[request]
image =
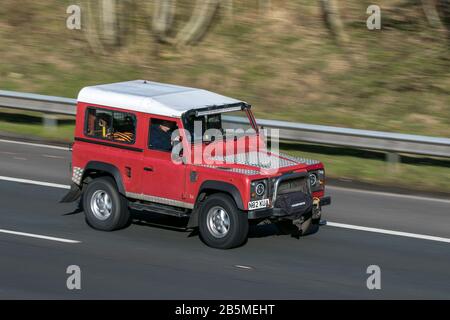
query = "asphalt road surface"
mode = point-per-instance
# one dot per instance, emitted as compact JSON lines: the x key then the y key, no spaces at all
{"x":408,"y":237}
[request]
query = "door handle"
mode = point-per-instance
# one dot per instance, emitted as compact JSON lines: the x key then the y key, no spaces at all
{"x":148,"y":168}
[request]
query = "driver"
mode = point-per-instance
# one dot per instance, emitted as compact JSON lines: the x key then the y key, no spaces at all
{"x":160,"y":135}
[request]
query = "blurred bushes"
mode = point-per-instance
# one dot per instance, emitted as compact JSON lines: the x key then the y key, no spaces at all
{"x":16,"y":13}
{"x":280,"y":56}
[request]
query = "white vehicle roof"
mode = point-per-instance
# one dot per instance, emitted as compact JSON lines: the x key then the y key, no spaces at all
{"x":152,"y":97}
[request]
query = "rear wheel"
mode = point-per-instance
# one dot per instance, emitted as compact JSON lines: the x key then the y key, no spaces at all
{"x":105,"y":208}
{"x":221,"y":224}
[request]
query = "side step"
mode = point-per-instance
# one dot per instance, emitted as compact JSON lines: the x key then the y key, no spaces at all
{"x":160,"y":208}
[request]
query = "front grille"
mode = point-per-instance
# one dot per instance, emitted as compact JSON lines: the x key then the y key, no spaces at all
{"x":294,"y":185}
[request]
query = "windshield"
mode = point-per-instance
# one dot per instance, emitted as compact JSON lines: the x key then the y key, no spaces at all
{"x":225,"y":125}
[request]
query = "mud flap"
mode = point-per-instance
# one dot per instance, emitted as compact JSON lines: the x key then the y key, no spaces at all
{"x":193,"y":220}
{"x":73,"y":195}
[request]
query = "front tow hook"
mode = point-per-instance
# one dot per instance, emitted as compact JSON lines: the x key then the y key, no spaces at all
{"x":316,"y":210}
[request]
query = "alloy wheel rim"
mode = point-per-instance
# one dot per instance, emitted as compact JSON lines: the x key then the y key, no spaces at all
{"x":218,"y":222}
{"x":101,"y":205}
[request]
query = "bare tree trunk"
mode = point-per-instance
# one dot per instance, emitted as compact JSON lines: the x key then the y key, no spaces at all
{"x":126,"y":19}
{"x":163,"y":13}
{"x":110,"y":23}
{"x":228,"y":7}
{"x":106,"y":22}
{"x":90,"y":29}
{"x":197,"y":26}
{"x":333,"y":20}
{"x":264,"y":6}
{"x":431,"y":13}
{"x":199,"y":23}
{"x":443,"y":8}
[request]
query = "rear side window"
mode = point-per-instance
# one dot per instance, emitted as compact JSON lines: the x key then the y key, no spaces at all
{"x":110,"y":125}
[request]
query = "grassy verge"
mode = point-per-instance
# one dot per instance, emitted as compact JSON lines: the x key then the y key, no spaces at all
{"x":62,"y":133}
{"x":30,"y":125}
{"x":431,"y":175}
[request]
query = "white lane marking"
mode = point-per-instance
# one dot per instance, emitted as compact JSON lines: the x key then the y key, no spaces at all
{"x":390,"y":232}
{"x":39,"y":145}
{"x":19,"y":158}
{"x":39,"y":183}
{"x":38,"y":236}
{"x":243,"y":267}
{"x":386,"y":194}
{"x":53,"y":157}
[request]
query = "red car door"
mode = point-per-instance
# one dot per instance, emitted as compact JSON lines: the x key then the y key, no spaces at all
{"x":163,"y":180}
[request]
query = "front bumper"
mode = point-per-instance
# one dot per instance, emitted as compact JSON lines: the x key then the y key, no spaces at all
{"x":278,"y":213}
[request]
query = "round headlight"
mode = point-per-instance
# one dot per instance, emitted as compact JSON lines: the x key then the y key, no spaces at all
{"x":312,"y":179}
{"x":260,"y":188}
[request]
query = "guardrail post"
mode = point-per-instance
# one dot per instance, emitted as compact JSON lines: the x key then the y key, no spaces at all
{"x":393,"y":160}
{"x":50,"y":122}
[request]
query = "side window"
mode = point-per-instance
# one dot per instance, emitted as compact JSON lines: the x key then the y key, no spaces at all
{"x":161,"y":134}
{"x":99,"y":123}
{"x":110,"y":125}
{"x":124,"y":125}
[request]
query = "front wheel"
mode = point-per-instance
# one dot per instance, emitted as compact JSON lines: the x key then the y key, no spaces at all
{"x":105,"y":208}
{"x":221,"y":224}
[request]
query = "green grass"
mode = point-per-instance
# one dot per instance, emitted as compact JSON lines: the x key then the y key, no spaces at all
{"x":413,"y":173}
{"x":29,"y":124}
{"x":62,"y":133}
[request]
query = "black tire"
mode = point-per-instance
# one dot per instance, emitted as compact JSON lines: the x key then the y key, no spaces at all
{"x":119,"y":215}
{"x":237,"y":227}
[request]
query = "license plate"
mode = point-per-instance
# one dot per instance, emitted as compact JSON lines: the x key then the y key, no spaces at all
{"x":258,"y":204}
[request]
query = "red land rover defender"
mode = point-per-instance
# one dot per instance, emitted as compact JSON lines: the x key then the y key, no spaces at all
{"x":167,"y":149}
